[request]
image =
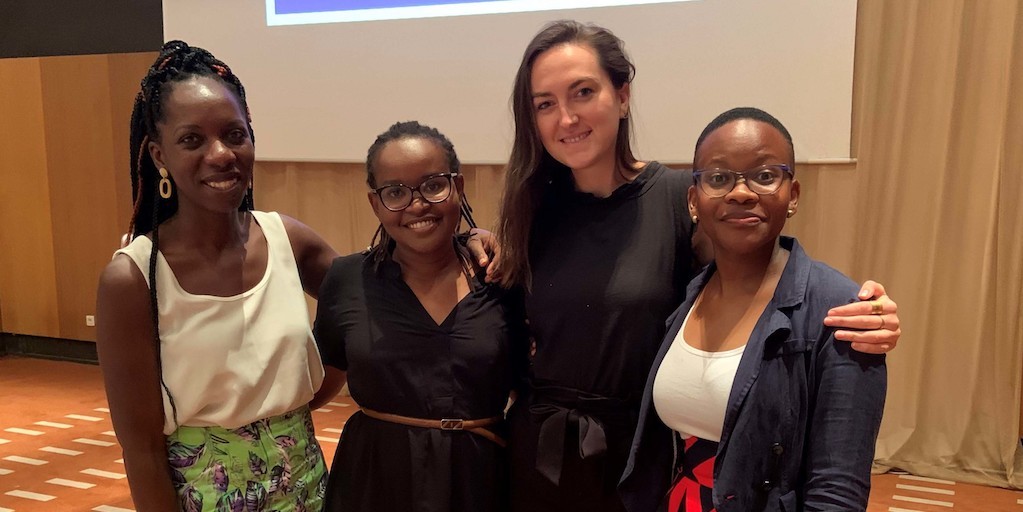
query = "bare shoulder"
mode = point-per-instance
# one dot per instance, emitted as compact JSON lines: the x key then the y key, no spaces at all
{"x":122,"y":277}
{"x":122,"y":300}
{"x":303,"y":239}
{"x":297,"y":230}
{"x":312,"y":253}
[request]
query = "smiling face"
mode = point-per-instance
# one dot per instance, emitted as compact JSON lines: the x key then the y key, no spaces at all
{"x":576,"y":108}
{"x":204,"y":144}
{"x":423,"y":228}
{"x":742,"y":221}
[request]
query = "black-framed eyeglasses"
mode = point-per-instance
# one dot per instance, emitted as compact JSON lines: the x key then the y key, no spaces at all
{"x":434,"y":189}
{"x":763,"y":180}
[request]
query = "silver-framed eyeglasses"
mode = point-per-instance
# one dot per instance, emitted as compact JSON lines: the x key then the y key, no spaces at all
{"x":763,"y":180}
{"x":434,"y":189}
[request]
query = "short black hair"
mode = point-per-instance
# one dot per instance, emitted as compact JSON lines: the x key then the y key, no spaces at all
{"x":410,"y":130}
{"x":743,"y":113}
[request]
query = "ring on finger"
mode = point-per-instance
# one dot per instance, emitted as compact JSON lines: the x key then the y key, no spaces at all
{"x":880,"y":317}
{"x":876,"y":308}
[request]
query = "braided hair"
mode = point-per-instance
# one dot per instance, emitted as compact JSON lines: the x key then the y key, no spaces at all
{"x":176,"y":63}
{"x":382,"y":244}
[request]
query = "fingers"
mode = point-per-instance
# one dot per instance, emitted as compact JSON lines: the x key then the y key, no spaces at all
{"x":888,"y":322}
{"x":493,"y":276}
{"x":877,"y":341}
{"x":478,"y":252}
{"x":871,"y":289}
{"x":871,"y":348}
{"x":866,"y":307}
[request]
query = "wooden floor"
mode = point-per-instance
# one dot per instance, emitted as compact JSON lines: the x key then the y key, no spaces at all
{"x":58,"y":452}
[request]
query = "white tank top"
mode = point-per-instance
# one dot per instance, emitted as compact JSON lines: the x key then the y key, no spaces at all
{"x":691,"y":387}
{"x":229,"y":361}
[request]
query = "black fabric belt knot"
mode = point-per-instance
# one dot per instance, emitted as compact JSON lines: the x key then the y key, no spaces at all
{"x":557,"y":408}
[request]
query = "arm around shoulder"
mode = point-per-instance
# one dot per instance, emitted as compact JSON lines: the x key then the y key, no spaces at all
{"x":127,"y":354}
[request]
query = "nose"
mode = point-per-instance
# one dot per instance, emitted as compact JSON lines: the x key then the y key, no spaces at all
{"x":741,"y":193}
{"x":568,"y":118}
{"x":219,"y":154}
{"x":419,"y":203}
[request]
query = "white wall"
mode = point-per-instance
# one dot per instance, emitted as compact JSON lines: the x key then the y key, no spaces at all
{"x":323,"y":92}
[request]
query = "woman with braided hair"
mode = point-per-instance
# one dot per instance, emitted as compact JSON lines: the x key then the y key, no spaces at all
{"x":203,"y":331}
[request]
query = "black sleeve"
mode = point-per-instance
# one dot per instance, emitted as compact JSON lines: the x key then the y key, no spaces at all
{"x":520,"y":341}
{"x":327,"y":327}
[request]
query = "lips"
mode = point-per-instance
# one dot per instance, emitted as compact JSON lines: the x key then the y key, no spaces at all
{"x":576,"y":138}
{"x":222,"y":183}
{"x":422,"y":224}
{"x":743,"y":217}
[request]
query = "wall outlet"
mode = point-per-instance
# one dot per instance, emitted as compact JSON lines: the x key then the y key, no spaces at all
{"x":90,"y":321}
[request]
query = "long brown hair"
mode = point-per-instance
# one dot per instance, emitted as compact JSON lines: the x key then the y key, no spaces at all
{"x":530,"y":166}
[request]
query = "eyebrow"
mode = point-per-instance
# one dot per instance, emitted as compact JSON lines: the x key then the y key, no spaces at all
{"x":573,"y":85}
{"x":236,"y":123}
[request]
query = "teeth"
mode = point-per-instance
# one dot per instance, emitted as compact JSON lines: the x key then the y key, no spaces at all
{"x":222,"y":185}
{"x":421,"y":224}
{"x":577,"y":138}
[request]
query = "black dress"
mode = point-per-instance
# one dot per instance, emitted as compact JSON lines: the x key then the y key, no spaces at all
{"x":607,"y":272}
{"x":399,"y":361}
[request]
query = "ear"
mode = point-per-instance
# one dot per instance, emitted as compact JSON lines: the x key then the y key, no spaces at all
{"x":691,"y":199}
{"x":459,"y":184}
{"x":624,"y":93}
{"x":374,"y":202}
{"x":794,"y":196}
{"x":156,"y":153}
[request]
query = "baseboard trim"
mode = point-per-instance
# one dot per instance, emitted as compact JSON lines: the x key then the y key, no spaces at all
{"x":42,"y":347}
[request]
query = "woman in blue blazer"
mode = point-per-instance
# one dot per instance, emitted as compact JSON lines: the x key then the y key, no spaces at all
{"x":751,"y":403}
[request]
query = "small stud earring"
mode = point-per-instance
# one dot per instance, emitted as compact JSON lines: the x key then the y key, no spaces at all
{"x":791,"y":212}
{"x":695,"y":219}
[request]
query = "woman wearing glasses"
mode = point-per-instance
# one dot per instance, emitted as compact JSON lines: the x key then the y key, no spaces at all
{"x":429,"y":350}
{"x":751,"y":403}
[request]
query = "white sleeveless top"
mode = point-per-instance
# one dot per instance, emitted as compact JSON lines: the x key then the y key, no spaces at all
{"x":691,"y":387}
{"x":229,"y":361}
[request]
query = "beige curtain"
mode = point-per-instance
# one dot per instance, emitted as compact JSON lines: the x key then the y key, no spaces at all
{"x":938,"y":131}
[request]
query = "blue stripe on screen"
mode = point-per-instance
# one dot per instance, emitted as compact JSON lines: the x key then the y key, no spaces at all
{"x":313,"y":6}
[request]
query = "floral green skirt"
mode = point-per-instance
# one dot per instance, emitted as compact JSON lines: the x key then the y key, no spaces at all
{"x":274,"y":464}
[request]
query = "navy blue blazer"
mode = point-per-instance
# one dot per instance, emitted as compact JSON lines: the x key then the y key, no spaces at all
{"x":803,"y":414}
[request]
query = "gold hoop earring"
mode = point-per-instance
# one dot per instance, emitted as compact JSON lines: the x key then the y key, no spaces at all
{"x":165,"y":184}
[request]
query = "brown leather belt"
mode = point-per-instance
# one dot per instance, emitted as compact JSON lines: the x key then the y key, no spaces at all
{"x":474,"y":426}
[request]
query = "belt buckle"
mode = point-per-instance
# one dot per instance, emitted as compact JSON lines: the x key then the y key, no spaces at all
{"x":451,"y":424}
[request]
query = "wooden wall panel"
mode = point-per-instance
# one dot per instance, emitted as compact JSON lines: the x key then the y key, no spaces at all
{"x":125,"y":71}
{"x":81,"y":163}
{"x":28,"y":290}
{"x":331,"y":198}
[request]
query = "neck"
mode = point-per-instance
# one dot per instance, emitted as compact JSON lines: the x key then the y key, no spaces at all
{"x":426,"y":266}
{"x":743,"y":274}
{"x":207,"y":231}
{"x":603,"y":180}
